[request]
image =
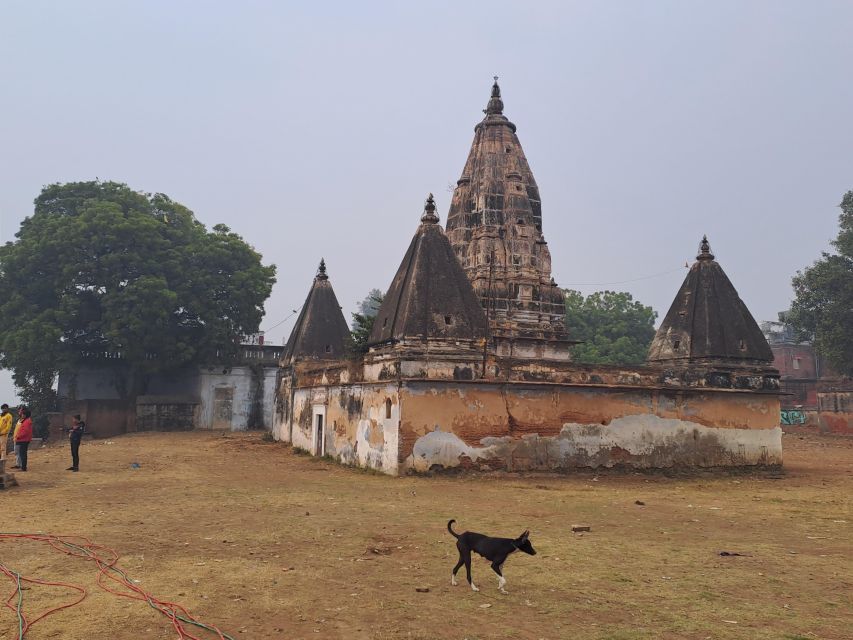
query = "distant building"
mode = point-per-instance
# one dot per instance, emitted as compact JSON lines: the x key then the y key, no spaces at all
{"x":799,"y":367}
{"x":235,"y":393}
{"x":813,"y":396}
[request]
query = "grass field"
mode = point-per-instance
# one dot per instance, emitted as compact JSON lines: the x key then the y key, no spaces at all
{"x":265,"y":543}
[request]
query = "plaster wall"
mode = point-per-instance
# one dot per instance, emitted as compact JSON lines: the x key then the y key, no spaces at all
{"x":360,"y":424}
{"x":520,"y":427}
{"x":268,"y":403}
{"x":835,"y":412}
{"x":252,"y":398}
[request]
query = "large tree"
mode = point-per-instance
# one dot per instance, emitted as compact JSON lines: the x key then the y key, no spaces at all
{"x":99,"y":268}
{"x":614,"y":328}
{"x":823,"y":306}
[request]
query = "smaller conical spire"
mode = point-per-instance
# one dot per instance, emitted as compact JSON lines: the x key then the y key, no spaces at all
{"x":429,"y":216}
{"x":496,"y":105}
{"x":321,"y":271}
{"x":705,"y":250}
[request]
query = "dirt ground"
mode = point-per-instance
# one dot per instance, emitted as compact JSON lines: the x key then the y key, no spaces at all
{"x":266,"y":543}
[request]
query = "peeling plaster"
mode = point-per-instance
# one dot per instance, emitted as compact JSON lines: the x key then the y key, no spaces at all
{"x":356,"y":430}
{"x":640,"y":441}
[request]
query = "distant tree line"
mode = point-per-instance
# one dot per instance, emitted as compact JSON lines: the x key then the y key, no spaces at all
{"x":613,"y":327}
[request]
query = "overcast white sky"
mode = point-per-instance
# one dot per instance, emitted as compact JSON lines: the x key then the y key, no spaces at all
{"x":317,"y":129}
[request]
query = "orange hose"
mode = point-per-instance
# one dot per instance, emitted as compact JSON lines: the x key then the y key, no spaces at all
{"x":82,"y":547}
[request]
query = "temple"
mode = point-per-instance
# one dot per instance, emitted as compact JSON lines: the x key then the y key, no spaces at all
{"x":495,"y":227}
{"x":320,"y":332}
{"x":708,"y":322}
{"x":467,"y":365}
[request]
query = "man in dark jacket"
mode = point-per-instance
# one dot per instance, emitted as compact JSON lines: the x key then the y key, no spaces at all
{"x":75,"y":435}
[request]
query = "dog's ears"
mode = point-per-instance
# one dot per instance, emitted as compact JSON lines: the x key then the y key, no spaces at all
{"x":525,"y":535}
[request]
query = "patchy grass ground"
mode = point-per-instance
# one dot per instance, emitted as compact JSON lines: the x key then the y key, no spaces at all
{"x":269,"y":544}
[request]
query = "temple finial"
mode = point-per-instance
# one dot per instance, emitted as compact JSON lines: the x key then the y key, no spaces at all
{"x":496,"y":105}
{"x":429,"y":216}
{"x":321,"y":271}
{"x":705,"y":250}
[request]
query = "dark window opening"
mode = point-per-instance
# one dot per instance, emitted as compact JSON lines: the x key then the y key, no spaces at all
{"x":448,"y":320}
{"x":388,"y":408}
{"x":742,"y":345}
{"x":676,"y":344}
{"x":508,"y":149}
{"x":518,"y":187}
{"x":328,"y":348}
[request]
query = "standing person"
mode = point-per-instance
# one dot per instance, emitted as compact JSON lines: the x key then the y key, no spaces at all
{"x":15,"y":438}
{"x":75,"y":436}
{"x":5,"y":428}
{"x":24,"y":435}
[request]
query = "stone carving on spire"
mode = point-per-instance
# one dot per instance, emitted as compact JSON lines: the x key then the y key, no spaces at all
{"x":496,"y":105}
{"x":705,"y":250}
{"x":321,"y":270}
{"x":429,"y":216}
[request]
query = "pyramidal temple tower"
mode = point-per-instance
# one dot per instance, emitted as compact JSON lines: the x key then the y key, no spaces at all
{"x":708,"y":323}
{"x":495,"y":228}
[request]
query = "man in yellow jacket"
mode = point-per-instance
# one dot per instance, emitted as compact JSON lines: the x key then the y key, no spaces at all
{"x":5,"y":428}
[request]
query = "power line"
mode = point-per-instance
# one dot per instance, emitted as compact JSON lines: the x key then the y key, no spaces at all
{"x":277,"y":324}
{"x":599,"y":284}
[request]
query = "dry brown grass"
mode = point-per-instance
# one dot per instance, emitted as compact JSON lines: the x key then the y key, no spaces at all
{"x":269,"y":544}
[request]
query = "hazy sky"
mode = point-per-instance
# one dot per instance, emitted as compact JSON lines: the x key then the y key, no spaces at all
{"x":317,"y":129}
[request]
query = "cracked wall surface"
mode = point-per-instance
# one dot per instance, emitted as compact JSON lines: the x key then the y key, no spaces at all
{"x":360,"y":424}
{"x":516,"y":428}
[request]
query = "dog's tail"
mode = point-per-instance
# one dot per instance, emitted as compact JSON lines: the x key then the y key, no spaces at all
{"x":450,"y":529}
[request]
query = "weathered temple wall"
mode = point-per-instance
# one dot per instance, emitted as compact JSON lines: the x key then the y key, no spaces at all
{"x":437,"y":413}
{"x":523,"y":427}
{"x":354,"y":424}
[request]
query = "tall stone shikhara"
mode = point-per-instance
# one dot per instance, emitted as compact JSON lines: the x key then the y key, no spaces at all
{"x":495,"y":228}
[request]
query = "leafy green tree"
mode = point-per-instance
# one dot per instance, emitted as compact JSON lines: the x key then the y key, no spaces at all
{"x":614,"y":328}
{"x":101,"y":268}
{"x":362,"y":320}
{"x":823,"y":306}
{"x":40,"y":396}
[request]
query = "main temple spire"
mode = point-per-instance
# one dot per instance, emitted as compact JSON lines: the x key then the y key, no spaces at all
{"x":495,"y":227}
{"x":496,"y":105}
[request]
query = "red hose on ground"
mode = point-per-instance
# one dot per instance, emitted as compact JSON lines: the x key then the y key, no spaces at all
{"x":106,"y":560}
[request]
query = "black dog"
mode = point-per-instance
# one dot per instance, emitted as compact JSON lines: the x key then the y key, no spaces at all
{"x":495,"y":550}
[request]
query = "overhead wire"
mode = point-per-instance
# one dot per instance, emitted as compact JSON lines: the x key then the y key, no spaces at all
{"x":601,"y":284}
{"x":278,"y":324}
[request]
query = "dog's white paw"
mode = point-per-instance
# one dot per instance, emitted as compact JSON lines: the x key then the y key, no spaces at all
{"x":453,"y":581}
{"x":474,"y":587}
{"x":504,"y":591}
